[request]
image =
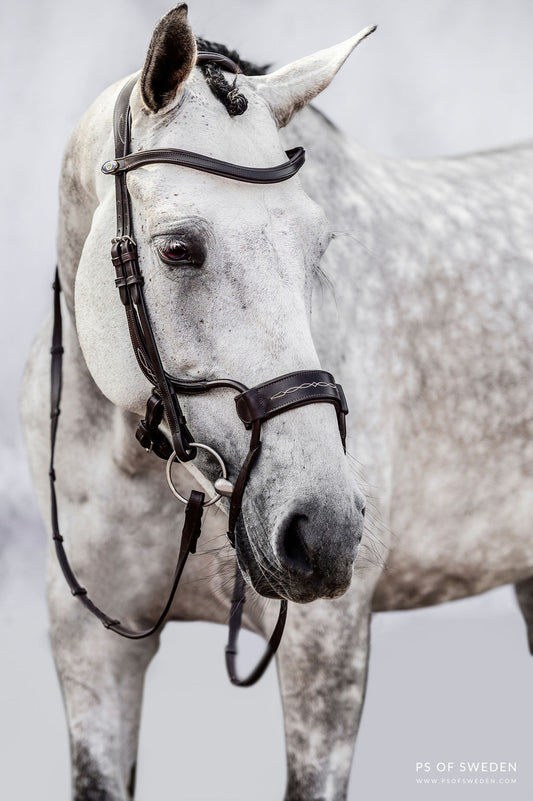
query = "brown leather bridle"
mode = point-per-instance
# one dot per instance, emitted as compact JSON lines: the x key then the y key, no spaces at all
{"x":253,"y":406}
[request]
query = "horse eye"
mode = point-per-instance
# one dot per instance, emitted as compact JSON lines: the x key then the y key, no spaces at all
{"x":173,"y":251}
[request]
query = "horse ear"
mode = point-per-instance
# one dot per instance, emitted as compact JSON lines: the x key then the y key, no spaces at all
{"x":169,"y":61}
{"x":290,"y":88}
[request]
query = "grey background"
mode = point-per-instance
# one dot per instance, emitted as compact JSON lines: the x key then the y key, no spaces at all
{"x":451,"y":683}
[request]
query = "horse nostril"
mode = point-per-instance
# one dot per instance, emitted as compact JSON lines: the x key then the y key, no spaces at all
{"x":292,"y":549}
{"x":363,"y":511}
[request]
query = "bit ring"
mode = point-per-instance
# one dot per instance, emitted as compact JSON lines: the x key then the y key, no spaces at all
{"x":173,"y":458}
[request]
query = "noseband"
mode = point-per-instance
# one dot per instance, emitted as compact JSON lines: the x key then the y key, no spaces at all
{"x":253,"y":406}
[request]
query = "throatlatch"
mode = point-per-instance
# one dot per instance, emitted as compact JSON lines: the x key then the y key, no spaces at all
{"x":253,"y":406}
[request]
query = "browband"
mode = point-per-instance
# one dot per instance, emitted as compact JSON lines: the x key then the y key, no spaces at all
{"x":196,"y":161}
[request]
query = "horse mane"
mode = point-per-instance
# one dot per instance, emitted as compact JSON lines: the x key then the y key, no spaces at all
{"x":228,"y":94}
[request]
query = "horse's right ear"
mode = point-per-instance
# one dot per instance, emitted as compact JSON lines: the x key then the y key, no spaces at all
{"x":169,"y":61}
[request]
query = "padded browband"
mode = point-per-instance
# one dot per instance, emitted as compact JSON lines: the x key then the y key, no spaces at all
{"x":196,"y":161}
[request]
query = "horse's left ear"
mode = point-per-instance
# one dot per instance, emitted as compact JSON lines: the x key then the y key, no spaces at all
{"x":170,"y":58}
{"x":290,"y":88}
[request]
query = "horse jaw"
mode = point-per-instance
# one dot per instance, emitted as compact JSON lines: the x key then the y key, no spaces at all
{"x":292,"y":87}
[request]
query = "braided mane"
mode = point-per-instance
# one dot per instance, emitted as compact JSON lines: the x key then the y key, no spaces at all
{"x":229,"y":95}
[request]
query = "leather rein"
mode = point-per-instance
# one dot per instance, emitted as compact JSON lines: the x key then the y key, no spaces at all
{"x":253,"y":406}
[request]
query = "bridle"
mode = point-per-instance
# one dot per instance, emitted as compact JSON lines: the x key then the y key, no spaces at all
{"x":253,"y":406}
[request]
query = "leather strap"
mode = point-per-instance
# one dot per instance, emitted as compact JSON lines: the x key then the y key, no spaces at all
{"x":239,"y":588}
{"x":193,"y":512}
{"x":196,"y":161}
{"x":235,"y":619}
{"x":129,"y":282}
{"x":148,"y":433}
{"x":242,"y":480}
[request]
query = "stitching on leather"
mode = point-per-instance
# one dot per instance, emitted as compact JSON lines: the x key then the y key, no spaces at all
{"x":286,"y":378}
{"x":255,"y":394}
{"x":317,"y":398}
{"x":305,"y":385}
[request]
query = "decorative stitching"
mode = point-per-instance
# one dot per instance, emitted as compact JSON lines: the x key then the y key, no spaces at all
{"x":144,"y":365}
{"x":290,"y":390}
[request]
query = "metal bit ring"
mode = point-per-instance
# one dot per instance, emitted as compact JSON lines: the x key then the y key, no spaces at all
{"x":172,"y":458}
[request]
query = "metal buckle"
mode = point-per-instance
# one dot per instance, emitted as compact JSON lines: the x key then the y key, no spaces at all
{"x":125,"y":238}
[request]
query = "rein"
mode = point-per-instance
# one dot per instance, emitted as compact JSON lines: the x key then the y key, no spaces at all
{"x":253,"y":406}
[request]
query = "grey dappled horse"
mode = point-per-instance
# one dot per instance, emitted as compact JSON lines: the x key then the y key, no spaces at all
{"x":421,"y":306}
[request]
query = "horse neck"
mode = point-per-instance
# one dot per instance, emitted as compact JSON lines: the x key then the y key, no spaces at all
{"x":400,"y":216}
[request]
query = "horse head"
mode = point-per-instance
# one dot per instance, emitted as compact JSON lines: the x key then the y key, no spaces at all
{"x":228,"y":272}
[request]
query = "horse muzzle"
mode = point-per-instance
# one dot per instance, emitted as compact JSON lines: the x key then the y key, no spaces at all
{"x":310,"y":554}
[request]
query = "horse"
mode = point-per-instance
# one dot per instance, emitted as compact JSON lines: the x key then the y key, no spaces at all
{"x":410,"y":280}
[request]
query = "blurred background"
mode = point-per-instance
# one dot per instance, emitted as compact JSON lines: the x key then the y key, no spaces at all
{"x":451,"y":683}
